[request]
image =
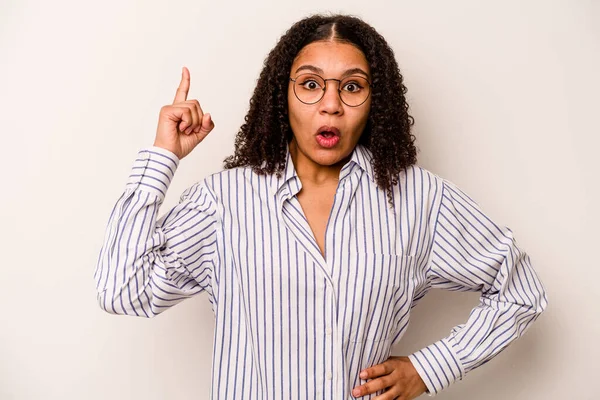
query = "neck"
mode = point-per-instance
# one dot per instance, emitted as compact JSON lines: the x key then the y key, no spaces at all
{"x":311,"y":172}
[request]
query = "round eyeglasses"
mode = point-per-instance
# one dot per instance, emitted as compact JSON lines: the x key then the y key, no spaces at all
{"x":310,"y":88}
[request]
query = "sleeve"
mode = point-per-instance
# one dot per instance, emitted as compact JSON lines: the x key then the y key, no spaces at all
{"x":148,"y":264}
{"x":470,"y":252}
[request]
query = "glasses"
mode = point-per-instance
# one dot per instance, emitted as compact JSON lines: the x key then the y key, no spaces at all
{"x":310,"y":88}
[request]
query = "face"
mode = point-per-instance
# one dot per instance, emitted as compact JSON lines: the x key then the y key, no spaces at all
{"x":329,"y":60}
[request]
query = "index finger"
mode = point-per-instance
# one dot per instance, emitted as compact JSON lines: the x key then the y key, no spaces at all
{"x":184,"y":87}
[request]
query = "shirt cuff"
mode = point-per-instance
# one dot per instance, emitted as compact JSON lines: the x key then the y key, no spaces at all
{"x":438,"y":365}
{"x":153,"y":171}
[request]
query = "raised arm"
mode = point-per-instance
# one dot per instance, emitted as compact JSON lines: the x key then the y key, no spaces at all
{"x":148,"y":264}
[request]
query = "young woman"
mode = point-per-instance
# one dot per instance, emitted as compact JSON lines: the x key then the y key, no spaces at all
{"x":319,"y":236}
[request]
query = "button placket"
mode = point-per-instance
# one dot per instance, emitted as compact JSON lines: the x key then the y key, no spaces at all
{"x":334,"y":335}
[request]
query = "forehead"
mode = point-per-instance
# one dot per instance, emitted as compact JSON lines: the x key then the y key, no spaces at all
{"x":331,"y":57}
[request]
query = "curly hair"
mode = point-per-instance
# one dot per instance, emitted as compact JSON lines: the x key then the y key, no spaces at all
{"x":261,"y":141}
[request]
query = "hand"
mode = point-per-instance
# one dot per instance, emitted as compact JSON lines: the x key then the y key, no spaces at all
{"x":398,"y":375}
{"x":182,"y":125}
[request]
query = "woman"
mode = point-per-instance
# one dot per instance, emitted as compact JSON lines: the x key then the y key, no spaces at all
{"x":320,"y":235}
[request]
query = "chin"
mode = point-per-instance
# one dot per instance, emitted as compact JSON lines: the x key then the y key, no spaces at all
{"x":328,"y":156}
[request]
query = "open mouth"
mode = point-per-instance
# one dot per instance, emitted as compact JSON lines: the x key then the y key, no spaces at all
{"x":327,"y":134}
{"x":328,"y":131}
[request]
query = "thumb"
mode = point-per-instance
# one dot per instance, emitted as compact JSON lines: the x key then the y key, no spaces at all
{"x":207,"y":125}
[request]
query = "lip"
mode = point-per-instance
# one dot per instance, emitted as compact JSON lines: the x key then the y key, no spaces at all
{"x":328,"y":128}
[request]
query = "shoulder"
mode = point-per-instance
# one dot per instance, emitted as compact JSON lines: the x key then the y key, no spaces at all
{"x":417,"y":176}
{"x":429,"y":187}
{"x":223,"y":183}
{"x":440,"y":188}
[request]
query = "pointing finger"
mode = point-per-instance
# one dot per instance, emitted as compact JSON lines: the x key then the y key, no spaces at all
{"x":184,"y":86}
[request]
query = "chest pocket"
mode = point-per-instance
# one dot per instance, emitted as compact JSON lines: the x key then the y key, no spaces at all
{"x":381,"y":297}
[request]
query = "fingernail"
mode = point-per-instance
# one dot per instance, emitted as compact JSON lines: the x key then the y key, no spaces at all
{"x":363,"y":375}
{"x":356,"y":392}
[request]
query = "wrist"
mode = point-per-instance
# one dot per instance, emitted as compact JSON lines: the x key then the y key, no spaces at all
{"x":171,"y":151}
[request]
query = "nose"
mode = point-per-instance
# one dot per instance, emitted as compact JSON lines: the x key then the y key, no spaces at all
{"x":331,"y":102}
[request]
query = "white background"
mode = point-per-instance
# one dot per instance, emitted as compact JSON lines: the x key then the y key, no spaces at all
{"x":505,"y":95}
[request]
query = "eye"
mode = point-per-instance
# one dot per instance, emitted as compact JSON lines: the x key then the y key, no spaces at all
{"x":352,"y":87}
{"x":310,"y":84}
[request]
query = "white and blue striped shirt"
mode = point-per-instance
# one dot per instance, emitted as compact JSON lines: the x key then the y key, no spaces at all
{"x":290,"y":323}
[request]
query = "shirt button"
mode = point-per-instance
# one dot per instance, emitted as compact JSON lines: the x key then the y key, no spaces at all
{"x":329,"y":376}
{"x":328,"y":331}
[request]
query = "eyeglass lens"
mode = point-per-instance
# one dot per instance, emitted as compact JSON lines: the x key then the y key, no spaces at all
{"x":309,"y":88}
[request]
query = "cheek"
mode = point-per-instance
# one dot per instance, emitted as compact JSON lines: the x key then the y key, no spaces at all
{"x":295,"y":117}
{"x":293,"y":109}
{"x":367,"y":109}
{"x":366,"y":112}
{"x":299,"y":114}
{"x":290,"y":97}
{"x":361,"y":117}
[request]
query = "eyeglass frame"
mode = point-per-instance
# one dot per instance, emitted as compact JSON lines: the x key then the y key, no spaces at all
{"x":339,"y":90}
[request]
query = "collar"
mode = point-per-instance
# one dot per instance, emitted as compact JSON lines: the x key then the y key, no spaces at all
{"x":361,"y":157}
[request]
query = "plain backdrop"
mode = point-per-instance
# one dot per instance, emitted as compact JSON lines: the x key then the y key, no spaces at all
{"x":505,"y":95}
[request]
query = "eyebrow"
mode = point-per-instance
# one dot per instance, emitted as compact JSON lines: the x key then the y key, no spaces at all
{"x":351,"y":71}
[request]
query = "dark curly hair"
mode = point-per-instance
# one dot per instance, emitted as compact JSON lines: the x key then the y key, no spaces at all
{"x":261,"y":141}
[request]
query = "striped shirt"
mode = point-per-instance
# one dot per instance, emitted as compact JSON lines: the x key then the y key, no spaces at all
{"x":291,"y":323}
